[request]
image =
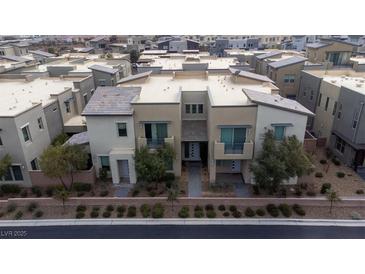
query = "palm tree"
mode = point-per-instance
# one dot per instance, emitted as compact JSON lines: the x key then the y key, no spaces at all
{"x":63,"y":195}
{"x":172,"y":195}
{"x":332,"y":197}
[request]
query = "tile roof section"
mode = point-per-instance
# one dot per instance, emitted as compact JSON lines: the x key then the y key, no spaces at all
{"x":251,"y":75}
{"x":268,"y":55}
{"x":111,"y":101}
{"x":288,"y":61}
{"x":134,"y":77}
{"x":276,"y":101}
{"x":104,"y":69}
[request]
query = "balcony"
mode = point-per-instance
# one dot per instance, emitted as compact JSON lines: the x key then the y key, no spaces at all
{"x":154,"y":143}
{"x":237,"y":151}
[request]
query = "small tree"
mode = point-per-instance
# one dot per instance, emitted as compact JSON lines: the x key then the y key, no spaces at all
{"x":109,"y":55}
{"x":332,"y":197}
{"x":172,"y":195}
{"x":5,"y":163}
{"x":62,"y":194}
{"x":60,"y":161}
{"x":134,"y":56}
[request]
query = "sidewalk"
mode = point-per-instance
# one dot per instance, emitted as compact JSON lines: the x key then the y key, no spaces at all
{"x":108,"y":222}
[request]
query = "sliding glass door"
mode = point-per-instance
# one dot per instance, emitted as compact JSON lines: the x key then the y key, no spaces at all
{"x":233,"y":139}
{"x":155,"y":134}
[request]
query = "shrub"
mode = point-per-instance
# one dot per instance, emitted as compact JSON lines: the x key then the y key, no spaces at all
{"x":80,"y":215}
{"x":94,"y":214}
{"x":340,"y":174}
{"x":319,"y":174}
{"x":237,"y":214}
{"x":325,"y":188}
{"x":135,"y":192}
{"x":249,"y":212}
{"x":104,"y":193}
{"x":285,"y":210}
{"x":103,"y":174}
{"x":158,"y":211}
{"x":169,"y":177}
{"x":110,"y":208}
{"x":106,"y":214}
{"x":209,"y":207}
{"x":96,"y":208}
{"x":211,"y":214}
{"x":10,"y":189}
{"x":11,"y":208}
{"x":355,"y":215}
{"x":152,"y":193}
{"x":81,"y":208}
{"x":303,"y":186}
{"x":272,"y":210}
{"x":226,"y":213}
{"x":298,"y":210}
{"x":145,"y":210}
{"x":336,"y":161}
{"x":80,"y":194}
{"x":38,"y":214}
{"x":198,"y":213}
{"x":32,"y":206}
{"x":18,"y":215}
{"x":256,"y":189}
{"x":184,"y":212}
{"x":121,"y":209}
{"x":298,"y":192}
{"x":37,"y":191}
{"x":282,"y":192}
{"x":81,"y":187}
{"x":311,"y":193}
{"x":132,"y":212}
{"x":221,"y":207}
{"x":260,"y":212}
{"x":198,"y":208}
{"x":232,"y":208}
{"x":23,"y":194}
{"x":323,"y":161}
{"x":49,"y":191}
{"x":1,"y":214}
{"x":360,"y":191}
{"x":120,"y":215}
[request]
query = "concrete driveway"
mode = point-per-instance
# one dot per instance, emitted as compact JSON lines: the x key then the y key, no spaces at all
{"x":194,"y":178}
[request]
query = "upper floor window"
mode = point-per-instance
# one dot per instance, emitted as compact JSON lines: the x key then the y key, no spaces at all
{"x":26,"y":134}
{"x":326,"y":105}
{"x":187,"y":108}
{"x":85,"y":98}
{"x":155,"y":134}
{"x":1,"y":141}
{"x":289,"y":78}
{"x":68,"y":107}
{"x":40,"y":123}
{"x":339,"y":114}
{"x":194,"y":108}
{"x":334,"y":108}
{"x":279,"y":133}
{"x":311,"y":95}
{"x":233,"y":139}
{"x":34,"y":164}
{"x":319,"y":99}
{"x":122,"y":129}
{"x":102,"y":82}
{"x":355,"y":120}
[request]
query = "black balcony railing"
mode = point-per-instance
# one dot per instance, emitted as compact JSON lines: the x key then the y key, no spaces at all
{"x":234,"y":148}
{"x":155,"y":142}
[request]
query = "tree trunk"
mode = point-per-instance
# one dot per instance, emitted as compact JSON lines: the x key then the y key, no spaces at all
{"x":331,"y":207}
{"x":63,"y":183}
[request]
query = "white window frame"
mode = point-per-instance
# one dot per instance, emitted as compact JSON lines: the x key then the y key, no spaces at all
{"x":26,"y":126}
{"x":126,"y":128}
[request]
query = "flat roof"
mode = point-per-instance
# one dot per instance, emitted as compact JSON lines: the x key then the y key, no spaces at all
{"x":42,"y":53}
{"x":358,"y":59}
{"x":356,"y":84}
{"x":223,"y":89}
{"x":18,"y":95}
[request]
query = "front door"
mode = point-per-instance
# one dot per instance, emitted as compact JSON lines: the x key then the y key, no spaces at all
{"x":192,"y":151}
{"x":236,"y":166}
{"x":123,"y":171}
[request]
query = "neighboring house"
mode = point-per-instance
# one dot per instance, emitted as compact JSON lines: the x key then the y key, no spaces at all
{"x":330,"y":51}
{"x":7,"y":50}
{"x":217,"y":119}
{"x":286,"y":74}
{"x":299,"y":42}
{"x":223,"y":44}
{"x":178,"y":45}
{"x":105,"y":76}
{"x":100,"y":44}
{"x":42,"y":56}
{"x":118,"y":48}
{"x":32,"y":113}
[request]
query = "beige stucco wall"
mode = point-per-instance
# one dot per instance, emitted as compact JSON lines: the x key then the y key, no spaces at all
{"x":324,"y":119}
{"x":319,"y":55}
{"x":170,"y":113}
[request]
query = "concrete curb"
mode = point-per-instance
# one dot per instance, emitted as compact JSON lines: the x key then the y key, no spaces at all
{"x":76,"y":222}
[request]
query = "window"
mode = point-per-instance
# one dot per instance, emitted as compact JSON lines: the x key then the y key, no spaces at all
{"x":279,"y":133}
{"x":85,"y":98}
{"x":319,"y":99}
{"x":26,"y":134}
{"x":340,"y":145}
{"x":355,"y":120}
{"x":155,"y":134}
{"x":233,"y":139}
{"x":34,"y":164}
{"x":334,"y":108}
{"x":68,"y":108}
{"x":122,"y":129}
{"x":311,"y":96}
{"x":187,"y":108}
{"x":326,"y":105}
{"x":1,"y":141}
{"x":40,"y":123}
{"x":104,"y":162}
{"x":102,"y":82}
{"x":339,"y":114}
{"x":193,"y":108}
{"x":54,"y":109}
{"x":289,"y":78}
{"x":200,"y":108}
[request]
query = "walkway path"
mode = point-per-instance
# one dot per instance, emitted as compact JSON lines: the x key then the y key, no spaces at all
{"x":194,"y":179}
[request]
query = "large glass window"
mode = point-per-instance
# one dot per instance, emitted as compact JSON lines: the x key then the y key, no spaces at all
{"x":289,"y":78}
{"x":34,"y":164}
{"x":18,"y":176}
{"x":26,"y":134}
{"x":155,"y":134}
{"x":233,"y":139}
{"x":279,"y":133}
{"x":122,"y":129}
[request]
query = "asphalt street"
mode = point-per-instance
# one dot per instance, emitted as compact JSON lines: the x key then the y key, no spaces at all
{"x":182,"y":232}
